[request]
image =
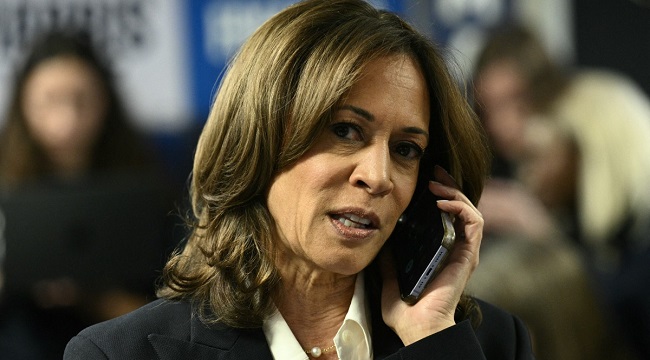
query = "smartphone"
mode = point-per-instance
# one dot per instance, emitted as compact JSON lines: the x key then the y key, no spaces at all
{"x":420,"y":242}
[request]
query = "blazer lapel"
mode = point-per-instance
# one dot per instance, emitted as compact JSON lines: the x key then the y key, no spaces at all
{"x":217,"y":342}
{"x":169,"y":348}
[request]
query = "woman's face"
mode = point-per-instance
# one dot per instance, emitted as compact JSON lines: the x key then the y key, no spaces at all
{"x":337,"y":205}
{"x":64,"y":110}
{"x":550,"y":165}
{"x":501,"y":92}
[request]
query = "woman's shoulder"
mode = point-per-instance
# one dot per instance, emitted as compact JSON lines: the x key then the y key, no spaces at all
{"x":161,"y":316}
{"x":132,"y":330}
{"x":501,"y":332}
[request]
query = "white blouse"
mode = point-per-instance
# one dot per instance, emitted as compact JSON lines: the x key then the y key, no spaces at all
{"x":352,"y":341}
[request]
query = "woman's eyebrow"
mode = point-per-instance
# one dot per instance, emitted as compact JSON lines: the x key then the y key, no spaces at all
{"x":416,"y":130}
{"x":370,"y":117}
{"x":359,"y":111}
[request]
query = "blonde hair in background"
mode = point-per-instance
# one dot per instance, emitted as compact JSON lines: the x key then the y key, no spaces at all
{"x":608,"y":117}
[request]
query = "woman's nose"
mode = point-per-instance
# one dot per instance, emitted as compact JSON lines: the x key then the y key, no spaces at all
{"x":373,"y":170}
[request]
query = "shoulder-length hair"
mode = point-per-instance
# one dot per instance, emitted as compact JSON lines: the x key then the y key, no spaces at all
{"x":117,"y":147}
{"x":276,"y":98}
{"x":607,"y":115}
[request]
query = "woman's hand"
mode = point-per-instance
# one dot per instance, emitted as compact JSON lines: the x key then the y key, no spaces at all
{"x":436,"y":307}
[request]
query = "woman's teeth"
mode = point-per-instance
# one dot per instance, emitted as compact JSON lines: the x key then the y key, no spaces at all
{"x":354,"y":221}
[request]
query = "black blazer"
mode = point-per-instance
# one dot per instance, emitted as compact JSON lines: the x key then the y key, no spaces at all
{"x":166,"y":330}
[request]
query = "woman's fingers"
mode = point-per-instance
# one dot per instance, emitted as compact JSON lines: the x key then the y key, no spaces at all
{"x":440,"y":298}
{"x":468,"y":223}
{"x":450,"y":188}
{"x":441,"y":175}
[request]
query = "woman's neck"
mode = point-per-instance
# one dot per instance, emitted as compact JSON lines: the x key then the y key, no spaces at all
{"x":314,"y":305}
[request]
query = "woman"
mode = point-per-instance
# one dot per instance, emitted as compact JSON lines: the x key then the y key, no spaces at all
{"x":66,"y":131}
{"x":589,"y":163}
{"x":513,"y":78}
{"x":65,"y":119}
{"x":309,"y":156}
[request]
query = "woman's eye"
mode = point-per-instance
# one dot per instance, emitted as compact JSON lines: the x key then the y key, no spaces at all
{"x":409,"y":150}
{"x":347,"y":131}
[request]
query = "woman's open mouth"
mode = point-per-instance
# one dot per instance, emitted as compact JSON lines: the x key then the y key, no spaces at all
{"x":351,"y":220}
{"x":353,"y":225}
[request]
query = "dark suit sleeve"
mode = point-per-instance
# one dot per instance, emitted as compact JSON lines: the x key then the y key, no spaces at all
{"x":456,"y":342}
{"x":524,"y":344}
{"x":79,"y":348}
{"x":501,"y":336}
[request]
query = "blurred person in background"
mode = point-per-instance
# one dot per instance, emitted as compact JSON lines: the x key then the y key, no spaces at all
{"x":547,"y":285}
{"x":581,"y":174}
{"x":65,"y":124}
{"x":588,"y":160}
{"x":513,"y":77}
{"x":65,"y":118}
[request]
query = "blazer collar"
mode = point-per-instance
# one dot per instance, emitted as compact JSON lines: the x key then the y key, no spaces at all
{"x":220,"y":342}
{"x":212,"y":343}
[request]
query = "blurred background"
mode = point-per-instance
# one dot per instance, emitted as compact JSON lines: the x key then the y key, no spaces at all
{"x":179,"y":47}
{"x":166,"y":58}
{"x":169,"y":53}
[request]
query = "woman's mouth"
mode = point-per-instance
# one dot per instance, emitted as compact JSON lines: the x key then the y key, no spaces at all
{"x":354,"y":221}
{"x":353,"y":225}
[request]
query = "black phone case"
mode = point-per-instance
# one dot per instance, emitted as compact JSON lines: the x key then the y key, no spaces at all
{"x":420,"y":243}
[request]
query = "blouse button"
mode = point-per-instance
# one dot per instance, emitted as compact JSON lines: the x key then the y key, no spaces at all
{"x":347,"y":336}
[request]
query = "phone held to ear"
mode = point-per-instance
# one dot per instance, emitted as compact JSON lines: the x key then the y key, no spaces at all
{"x":420,"y":243}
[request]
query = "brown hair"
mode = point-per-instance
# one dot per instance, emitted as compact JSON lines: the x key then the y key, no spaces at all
{"x":274,"y":101}
{"x":521,"y":47}
{"x":547,"y":285}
